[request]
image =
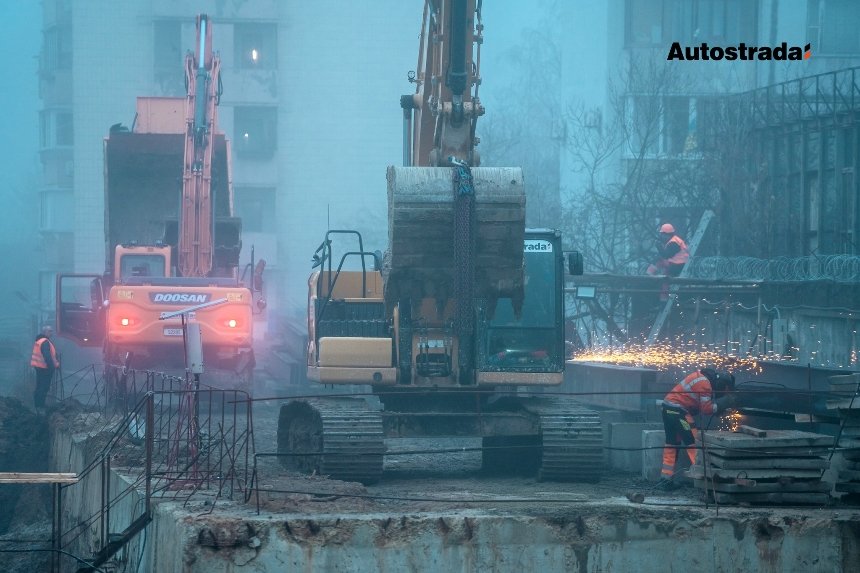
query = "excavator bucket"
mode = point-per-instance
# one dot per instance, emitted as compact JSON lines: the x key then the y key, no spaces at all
{"x":420,"y":261}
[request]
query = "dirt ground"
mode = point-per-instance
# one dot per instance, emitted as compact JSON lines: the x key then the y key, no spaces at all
{"x":24,"y":509}
{"x":431,"y":481}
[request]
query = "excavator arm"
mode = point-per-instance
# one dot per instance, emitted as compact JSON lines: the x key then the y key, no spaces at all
{"x":202,"y":75}
{"x":440,"y":117}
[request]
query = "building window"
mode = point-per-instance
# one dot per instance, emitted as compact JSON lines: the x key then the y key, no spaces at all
{"x":57,"y":49}
{"x":831,"y":26}
{"x":56,"y":210}
{"x":168,"y":54}
{"x":56,"y":129}
{"x":256,"y":46}
{"x":256,"y":207}
{"x":168,"y":57}
{"x":661,"y":22}
{"x":662,"y":126}
{"x":256,"y":129}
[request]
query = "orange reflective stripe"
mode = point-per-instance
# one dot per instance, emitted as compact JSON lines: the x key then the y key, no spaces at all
{"x":689,"y":388}
{"x":36,"y":359}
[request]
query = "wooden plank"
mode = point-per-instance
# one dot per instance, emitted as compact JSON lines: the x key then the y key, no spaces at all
{"x":844,"y":404}
{"x":698,"y":472}
{"x":775,"y":498}
{"x":765,"y":487}
{"x":765,"y":453}
{"x":775,"y":439}
{"x":20,"y":477}
{"x":810,"y":463}
{"x":849,"y":475}
{"x":849,"y":465}
{"x":752,"y":431}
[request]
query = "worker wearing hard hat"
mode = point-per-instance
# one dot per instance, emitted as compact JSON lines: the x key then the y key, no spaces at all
{"x":44,"y":361}
{"x":705,"y":391}
{"x":673,"y":253}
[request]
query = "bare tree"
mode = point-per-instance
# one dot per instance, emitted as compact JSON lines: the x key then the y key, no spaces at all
{"x":524,"y":129}
{"x":646,"y":134}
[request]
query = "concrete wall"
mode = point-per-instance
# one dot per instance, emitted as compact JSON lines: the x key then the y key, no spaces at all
{"x":622,"y":538}
{"x":71,"y":452}
{"x":597,"y":536}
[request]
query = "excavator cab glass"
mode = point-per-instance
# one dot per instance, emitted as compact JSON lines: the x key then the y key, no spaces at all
{"x":534,"y":340}
{"x":141,"y":265}
{"x":80,"y":308}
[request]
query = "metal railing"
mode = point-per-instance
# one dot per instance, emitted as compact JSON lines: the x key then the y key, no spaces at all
{"x":170,"y":438}
{"x":828,"y":94}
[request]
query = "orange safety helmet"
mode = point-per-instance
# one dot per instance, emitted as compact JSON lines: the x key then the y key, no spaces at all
{"x":667,"y":228}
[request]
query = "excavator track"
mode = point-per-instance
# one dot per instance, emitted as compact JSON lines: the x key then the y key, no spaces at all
{"x":337,"y":437}
{"x":572,"y":440}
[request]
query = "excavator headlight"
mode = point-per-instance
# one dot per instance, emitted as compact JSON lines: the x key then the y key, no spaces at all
{"x":231,"y":323}
{"x":124,"y":321}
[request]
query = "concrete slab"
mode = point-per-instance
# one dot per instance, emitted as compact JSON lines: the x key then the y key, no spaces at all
{"x":652,"y":453}
{"x":774,"y":439}
{"x":628,"y":435}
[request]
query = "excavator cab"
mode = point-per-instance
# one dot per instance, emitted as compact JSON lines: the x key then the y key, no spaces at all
{"x":533,"y":340}
{"x":81,"y":309}
{"x":135,"y":263}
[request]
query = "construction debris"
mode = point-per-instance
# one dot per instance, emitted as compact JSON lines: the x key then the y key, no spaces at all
{"x":844,"y":399}
{"x":779,"y":467}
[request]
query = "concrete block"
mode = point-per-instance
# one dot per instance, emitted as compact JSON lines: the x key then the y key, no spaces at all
{"x":652,"y":454}
{"x":630,"y":386}
{"x":608,"y":417}
{"x":628,"y":435}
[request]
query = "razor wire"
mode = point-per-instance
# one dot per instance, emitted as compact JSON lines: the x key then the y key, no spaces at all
{"x":837,"y":268}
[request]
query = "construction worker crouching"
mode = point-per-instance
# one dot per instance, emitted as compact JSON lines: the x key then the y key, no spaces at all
{"x":673,"y":253}
{"x":705,"y":391}
{"x":44,"y":361}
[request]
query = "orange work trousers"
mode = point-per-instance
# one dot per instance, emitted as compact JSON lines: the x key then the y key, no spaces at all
{"x":681,"y":432}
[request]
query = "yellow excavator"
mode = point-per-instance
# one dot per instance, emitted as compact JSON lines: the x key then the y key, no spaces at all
{"x":465,"y":306}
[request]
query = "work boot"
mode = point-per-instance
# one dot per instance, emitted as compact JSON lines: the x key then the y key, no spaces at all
{"x":666,"y":485}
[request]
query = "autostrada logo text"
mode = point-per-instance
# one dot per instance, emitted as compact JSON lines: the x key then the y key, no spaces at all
{"x":781,"y":52}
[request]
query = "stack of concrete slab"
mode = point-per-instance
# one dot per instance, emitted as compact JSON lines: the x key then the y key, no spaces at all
{"x":844,"y":399}
{"x":757,"y":466}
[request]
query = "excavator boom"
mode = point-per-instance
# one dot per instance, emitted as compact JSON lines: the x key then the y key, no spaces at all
{"x":202,"y":75}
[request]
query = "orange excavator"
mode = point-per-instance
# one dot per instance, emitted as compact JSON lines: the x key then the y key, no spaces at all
{"x":465,"y":307}
{"x":172,"y":240}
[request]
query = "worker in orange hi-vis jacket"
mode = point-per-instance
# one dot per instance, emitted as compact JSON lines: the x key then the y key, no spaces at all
{"x":705,"y":391}
{"x":673,"y":253}
{"x":44,"y":361}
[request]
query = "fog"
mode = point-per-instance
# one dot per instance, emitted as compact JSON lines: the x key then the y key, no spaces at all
{"x":20,"y":41}
{"x":344,"y":101}
{"x":555,"y":76}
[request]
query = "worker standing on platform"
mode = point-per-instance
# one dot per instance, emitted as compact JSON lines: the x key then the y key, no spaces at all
{"x":705,"y":391}
{"x":45,"y":362}
{"x":673,"y":253}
